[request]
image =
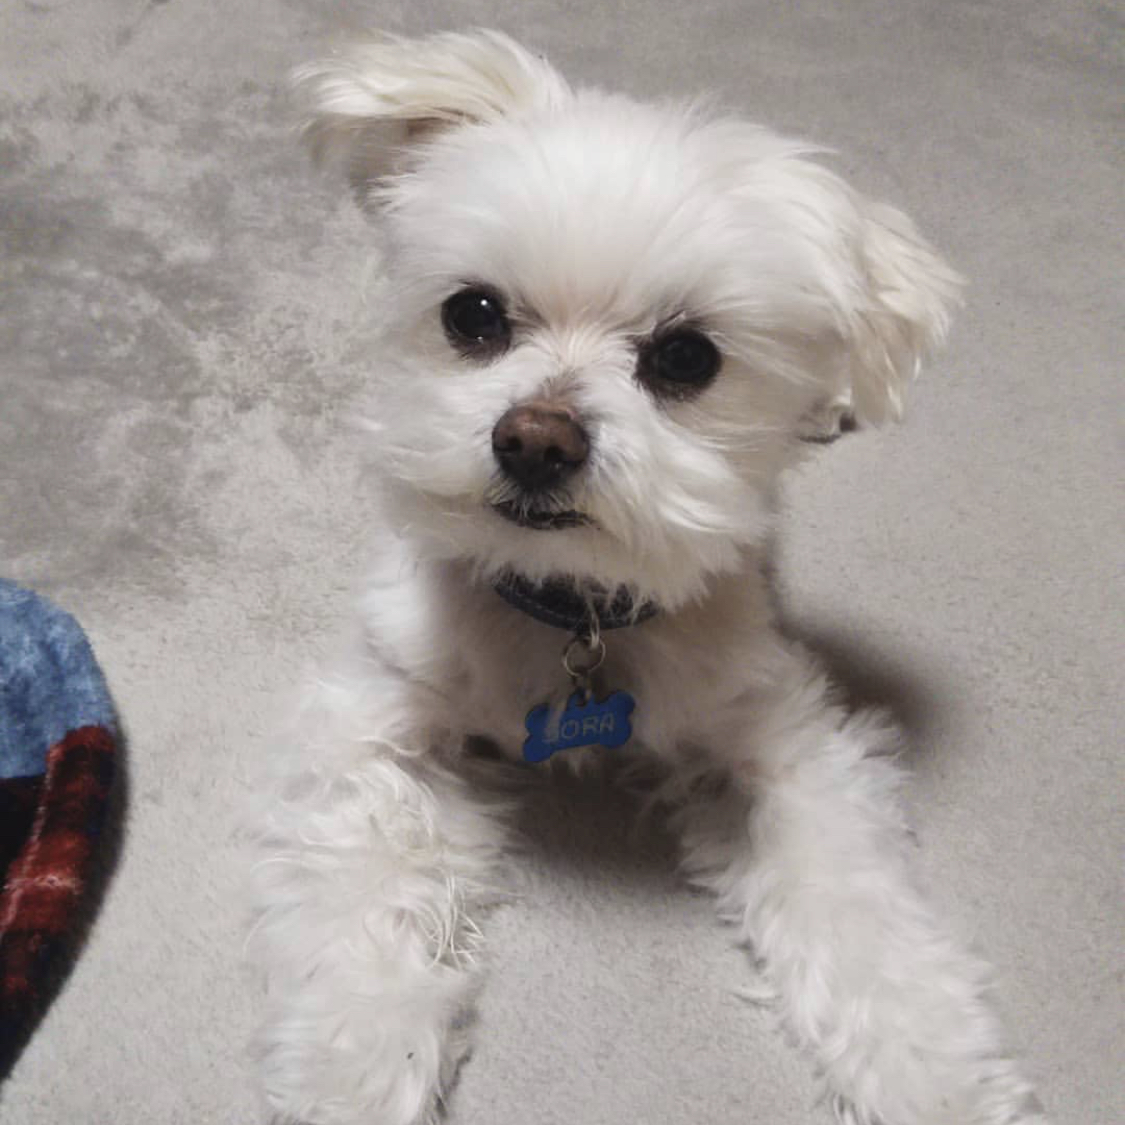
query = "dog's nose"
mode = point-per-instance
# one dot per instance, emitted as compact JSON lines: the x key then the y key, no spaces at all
{"x":539,"y":445}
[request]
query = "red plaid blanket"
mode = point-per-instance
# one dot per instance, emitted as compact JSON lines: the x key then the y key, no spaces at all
{"x":57,"y":756}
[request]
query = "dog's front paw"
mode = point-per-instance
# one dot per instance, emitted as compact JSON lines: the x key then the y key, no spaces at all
{"x":1001,"y":1106}
{"x":847,"y":1115}
{"x":388,"y":1071}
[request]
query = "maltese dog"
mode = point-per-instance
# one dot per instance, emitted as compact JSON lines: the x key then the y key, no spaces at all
{"x":611,"y":327}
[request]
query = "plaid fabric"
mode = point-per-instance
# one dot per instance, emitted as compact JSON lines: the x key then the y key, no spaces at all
{"x":57,"y":756}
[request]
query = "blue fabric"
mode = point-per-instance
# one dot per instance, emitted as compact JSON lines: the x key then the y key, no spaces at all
{"x":50,"y":683}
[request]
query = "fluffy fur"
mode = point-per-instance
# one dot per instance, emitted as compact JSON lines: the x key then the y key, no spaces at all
{"x":602,"y":221}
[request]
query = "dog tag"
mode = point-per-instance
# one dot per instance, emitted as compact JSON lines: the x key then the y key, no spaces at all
{"x":583,"y":722}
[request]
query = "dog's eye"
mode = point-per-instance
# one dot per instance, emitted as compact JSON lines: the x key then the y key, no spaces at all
{"x":680,"y":361}
{"x":476,"y":322}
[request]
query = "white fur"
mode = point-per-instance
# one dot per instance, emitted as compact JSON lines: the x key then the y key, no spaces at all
{"x":599,"y":219}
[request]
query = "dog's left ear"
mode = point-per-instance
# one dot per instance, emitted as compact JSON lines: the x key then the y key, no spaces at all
{"x":370,"y":103}
{"x":901,"y":313}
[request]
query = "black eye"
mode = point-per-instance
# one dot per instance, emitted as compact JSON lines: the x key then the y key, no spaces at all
{"x":679,"y":361}
{"x":476,"y":322}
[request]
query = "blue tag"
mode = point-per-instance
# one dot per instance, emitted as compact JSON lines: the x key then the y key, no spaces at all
{"x":588,"y":723}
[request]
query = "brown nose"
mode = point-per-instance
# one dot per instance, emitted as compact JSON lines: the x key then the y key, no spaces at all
{"x":539,"y":445}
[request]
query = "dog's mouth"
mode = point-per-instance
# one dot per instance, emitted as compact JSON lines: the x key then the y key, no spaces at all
{"x":540,"y":519}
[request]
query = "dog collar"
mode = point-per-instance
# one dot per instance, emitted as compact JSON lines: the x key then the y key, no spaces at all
{"x":561,"y":604}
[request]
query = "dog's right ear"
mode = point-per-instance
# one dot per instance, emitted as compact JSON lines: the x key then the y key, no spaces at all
{"x":371,"y":101}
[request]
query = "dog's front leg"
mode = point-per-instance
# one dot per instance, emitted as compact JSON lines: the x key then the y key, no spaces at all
{"x":371,"y":860}
{"x":813,"y":861}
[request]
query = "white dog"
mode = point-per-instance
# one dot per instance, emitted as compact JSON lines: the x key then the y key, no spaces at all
{"x":610,"y":327}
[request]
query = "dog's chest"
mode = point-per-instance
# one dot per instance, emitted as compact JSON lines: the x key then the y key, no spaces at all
{"x":529,"y":706}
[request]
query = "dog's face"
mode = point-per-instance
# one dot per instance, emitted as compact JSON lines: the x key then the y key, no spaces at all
{"x":609,"y":322}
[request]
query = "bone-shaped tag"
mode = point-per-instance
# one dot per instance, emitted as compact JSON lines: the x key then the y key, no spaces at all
{"x":582,"y":723}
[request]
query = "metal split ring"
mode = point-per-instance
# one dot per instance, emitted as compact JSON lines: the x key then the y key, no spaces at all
{"x":594,"y":646}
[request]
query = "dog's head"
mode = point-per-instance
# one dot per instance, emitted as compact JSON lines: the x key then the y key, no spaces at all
{"x":610,"y":322}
